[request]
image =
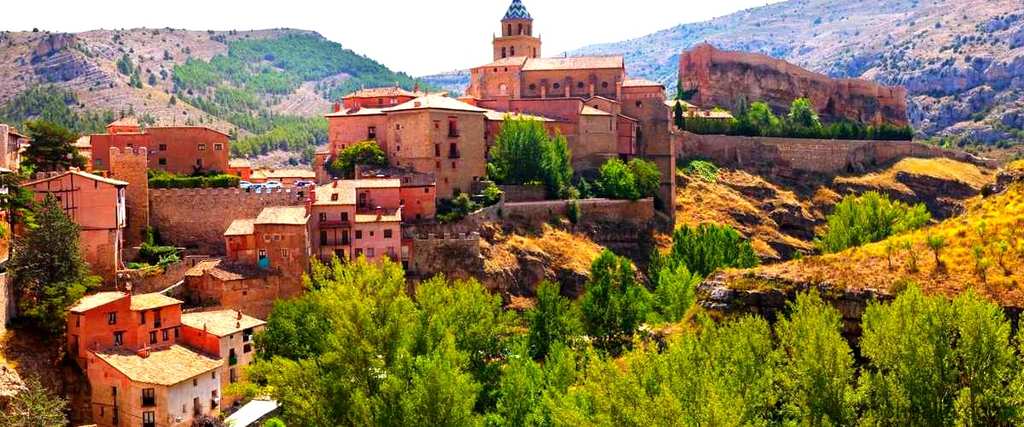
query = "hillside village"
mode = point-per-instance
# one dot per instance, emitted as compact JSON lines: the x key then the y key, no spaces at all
{"x":527,"y":177}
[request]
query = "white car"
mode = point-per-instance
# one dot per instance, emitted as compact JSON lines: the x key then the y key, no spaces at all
{"x":273,"y":185}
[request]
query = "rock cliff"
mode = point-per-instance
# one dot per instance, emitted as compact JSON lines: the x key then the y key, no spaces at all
{"x":721,"y":78}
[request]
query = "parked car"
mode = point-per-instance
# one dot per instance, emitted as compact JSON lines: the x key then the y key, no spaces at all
{"x":244,"y":185}
{"x":273,"y":185}
{"x":256,"y":188}
{"x":304,"y":184}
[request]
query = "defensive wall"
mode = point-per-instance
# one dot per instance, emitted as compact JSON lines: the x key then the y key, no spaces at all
{"x":789,"y":156}
{"x":196,"y":218}
{"x":158,"y":279}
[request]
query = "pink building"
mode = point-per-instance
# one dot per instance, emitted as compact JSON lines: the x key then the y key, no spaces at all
{"x":97,"y":205}
{"x":226,"y":335}
{"x":362,"y":217}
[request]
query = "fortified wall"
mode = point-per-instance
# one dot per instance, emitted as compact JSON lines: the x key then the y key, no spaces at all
{"x":721,"y":78}
{"x":130,"y":165}
{"x":792,"y":156}
{"x":196,"y":218}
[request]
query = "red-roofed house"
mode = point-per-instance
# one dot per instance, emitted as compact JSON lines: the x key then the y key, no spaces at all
{"x":351,"y":218}
{"x":176,"y":149}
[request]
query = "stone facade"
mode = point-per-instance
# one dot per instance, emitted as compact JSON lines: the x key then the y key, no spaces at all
{"x":722,"y":78}
{"x":791,"y":156}
{"x":179,"y":149}
{"x":130,"y":165}
{"x":175,"y":214}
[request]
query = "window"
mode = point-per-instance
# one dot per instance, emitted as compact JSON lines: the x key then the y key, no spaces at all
{"x":426,"y":190}
{"x":437,"y":150}
{"x":166,"y":334}
{"x":334,"y":197}
{"x":118,"y":338}
{"x":213,"y":375}
{"x":163,"y":147}
{"x":176,"y":333}
{"x":369,"y":252}
{"x":520,"y":29}
{"x":604,"y":85}
{"x":247,"y":348}
{"x":504,"y":53}
{"x":387,"y":234}
{"x":453,"y":127}
{"x":149,"y":419}
{"x":157,"y":322}
{"x":112,"y":318}
{"x":557,"y":85}
{"x":199,"y":163}
{"x":195,"y":382}
{"x":344,"y":217}
{"x":359,"y":252}
{"x":162,"y":161}
{"x":142,"y":317}
{"x":512,"y":51}
{"x":359,"y":234}
{"x":453,"y":151}
{"x":232,"y":357}
{"x":579,"y":85}
{"x":148,"y":397}
{"x":218,"y":147}
{"x":202,"y":147}
{"x":232,"y":376}
{"x":533,"y":87}
{"x":323,"y":216}
{"x":371,"y":132}
{"x":323,"y":237}
{"x":152,"y":337}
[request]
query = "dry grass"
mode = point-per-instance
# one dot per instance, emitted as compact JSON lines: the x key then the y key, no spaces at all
{"x":940,"y":168}
{"x":1016,"y":165}
{"x":989,"y":224}
{"x":559,"y":249}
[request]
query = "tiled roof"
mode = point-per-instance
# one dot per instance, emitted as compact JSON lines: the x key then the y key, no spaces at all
{"x":406,"y":176}
{"x":346,"y":190}
{"x":239,"y":163}
{"x":365,"y":111}
{"x":380,"y":92}
{"x":283,"y":215}
{"x":84,"y":141}
{"x":386,"y":216}
{"x":574,"y":63}
{"x":517,"y":11}
{"x":591,"y":111}
{"x":639,"y":83}
{"x":220,"y":323}
{"x":90,"y":302}
{"x":150,"y":301}
{"x":168,"y":366}
{"x":77,"y":172}
{"x":672,"y":103}
{"x":125,"y":121}
{"x":514,"y":61}
{"x":436,"y":102}
{"x":240,"y":227}
{"x":223,"y":271}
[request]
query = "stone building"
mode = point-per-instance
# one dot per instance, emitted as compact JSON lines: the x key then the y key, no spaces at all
{"x":11,"y":144}
{"x":176,"y":149}
{"x":98,"y":205}
{"x":226,"y":335}
{"x":363,"y":217}
{"x":131,"y":165}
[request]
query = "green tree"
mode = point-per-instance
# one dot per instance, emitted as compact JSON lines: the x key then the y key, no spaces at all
{"x":675,"y":292}
{"x":617,"y":181}
{"x":553,"y":320}
{"x":525,"y":153}
{"x":646,"y":176}
{"x":937,"y":362}
{"x":708,"y":247}
{"x":366,"y":153}
{"x":34,"y":406}
{"x":615,"y":304}
{"x":557,"y":166}
{"x":677,"y":115}
{"x":868,"y":218}
{"x":49,"y":272}
{"x":802,"y":114}
{"x":817,"y":369}
{"x":125,"y":65}
{"x":761,"y":117}
{"x":51,"y":148}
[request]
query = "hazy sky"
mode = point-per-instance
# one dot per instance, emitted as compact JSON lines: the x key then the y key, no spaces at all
{"x":416,"y":36}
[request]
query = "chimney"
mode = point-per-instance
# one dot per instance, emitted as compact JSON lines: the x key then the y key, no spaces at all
{"x":337,"y":107}
{"x":143,"y":352}
{"x":238,"y":315}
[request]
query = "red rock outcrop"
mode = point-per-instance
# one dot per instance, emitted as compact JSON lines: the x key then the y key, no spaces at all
{"x":721,"y":78}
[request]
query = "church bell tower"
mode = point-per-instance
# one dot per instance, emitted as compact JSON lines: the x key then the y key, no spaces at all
{"x":516,"y":34}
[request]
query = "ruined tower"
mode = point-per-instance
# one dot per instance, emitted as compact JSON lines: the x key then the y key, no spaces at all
{"x":130,"y":165}
{"x":516,"y":34}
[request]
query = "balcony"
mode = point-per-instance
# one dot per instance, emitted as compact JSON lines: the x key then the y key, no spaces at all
{"x":335,"y":224}
{"x":149,"y":401}
{"x":454,"y":154}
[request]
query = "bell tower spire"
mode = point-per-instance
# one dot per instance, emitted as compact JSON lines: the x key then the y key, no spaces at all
{"x":516,"y":34}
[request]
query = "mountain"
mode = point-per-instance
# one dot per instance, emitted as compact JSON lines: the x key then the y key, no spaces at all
{"x":962,"y":61}
{"x":268,"y":87}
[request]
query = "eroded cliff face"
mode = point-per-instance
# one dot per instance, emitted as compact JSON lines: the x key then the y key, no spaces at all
{"x":721,"y":78}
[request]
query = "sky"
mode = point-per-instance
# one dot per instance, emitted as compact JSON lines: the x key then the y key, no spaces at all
{"x":419,"y":37}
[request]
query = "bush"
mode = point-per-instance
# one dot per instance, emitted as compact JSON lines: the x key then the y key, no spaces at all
{"x":456,"y":209}
{"x":868,"y":218}
{"x":633,"y":181}
{"x":703,"y":169}
{"x":708,"y":247}
{"x":524,"y":153}
{"x":361,"y":153}
{"x":162,"y":179}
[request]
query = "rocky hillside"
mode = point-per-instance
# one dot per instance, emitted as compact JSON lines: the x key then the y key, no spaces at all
{"x":961,"y":60}
{"x":246,"y":82}
{"x":781,"y":217}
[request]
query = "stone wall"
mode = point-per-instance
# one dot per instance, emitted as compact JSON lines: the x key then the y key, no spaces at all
{"x":523,"y":193}
{"x":434,"y":250}
{"x":592,"y":211}
{"x":790,"y":156}
{"x":158,"y":280}
{"x":196,"y":218}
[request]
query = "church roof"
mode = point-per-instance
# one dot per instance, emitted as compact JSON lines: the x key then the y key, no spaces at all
{"x":517,"y":11}
{"x":574,"y":63}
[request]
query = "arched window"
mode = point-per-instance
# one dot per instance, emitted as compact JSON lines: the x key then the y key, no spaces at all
{"x":557,"y":85}
{"x":533,"y":87}
{"x":504,"y":53}
{"x":604,"y":85}
{"x":513,"y":53}
{"x":579,"y":85}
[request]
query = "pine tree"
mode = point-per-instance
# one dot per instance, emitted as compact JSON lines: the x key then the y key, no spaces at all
{"x":49,"y":272}
{"x":51,"y":148}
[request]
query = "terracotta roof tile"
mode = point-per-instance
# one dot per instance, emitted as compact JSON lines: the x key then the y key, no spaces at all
{"x":240,"y":227}
{"x":591,"y":111}
{"x":437,"y":102}
{"x":125,"y":121}
{"x":220,"y":323}
{"x":574,"y":63}
{"x":394,"y":215}
{"x":168,"y":366}
{"x":380,"y":92}
{"x":365,"y":111}
{"x":283,"y":215}
{"x":640,"y":83}
{"x":90,"y":302}
{"x":77,"y":172}
{"x":511,"y":61}
{"x":150,"y":301}
{"x":495,"y":116}
{"x":346,"y":190}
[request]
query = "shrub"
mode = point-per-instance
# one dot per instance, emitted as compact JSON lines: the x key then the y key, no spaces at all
{"x":633,"y":181}
{"x":615,"y":304}
{"x":162,"y":179}
{"x":456,"y":209}
{"x":572,"y":210}
{"x":361,"y":153}
{"x":703,"y":169}
{"x":708,"y":247}
{"x":868,"y":218}
{"x":524,"y":153}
